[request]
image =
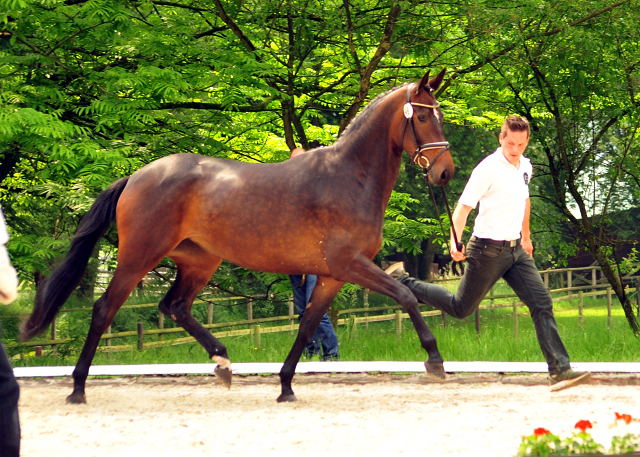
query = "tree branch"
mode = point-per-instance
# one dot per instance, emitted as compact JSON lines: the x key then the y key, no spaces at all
{"x":365,"y":80}
{"x":507,"y":49}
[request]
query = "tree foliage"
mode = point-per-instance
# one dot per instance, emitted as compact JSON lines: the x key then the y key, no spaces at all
{"x":93,"y":90}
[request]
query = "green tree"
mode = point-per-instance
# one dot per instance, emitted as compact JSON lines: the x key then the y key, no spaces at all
{"x":93,"y":90}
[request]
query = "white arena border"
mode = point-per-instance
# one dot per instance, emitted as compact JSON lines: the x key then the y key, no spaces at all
{"x":321,"y":367}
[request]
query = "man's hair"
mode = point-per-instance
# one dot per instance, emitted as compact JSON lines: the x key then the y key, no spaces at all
{"x":515,"y":124}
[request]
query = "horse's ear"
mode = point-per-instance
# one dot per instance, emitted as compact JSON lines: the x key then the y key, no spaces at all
{"x":435,"y":82}
{"x":423,"y":82}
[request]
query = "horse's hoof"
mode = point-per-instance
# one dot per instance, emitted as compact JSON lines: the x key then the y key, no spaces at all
{"x":289,"y":397}
{"x":77,"y":399}
{"x":224,"y":374}
{"x":435,"y":370}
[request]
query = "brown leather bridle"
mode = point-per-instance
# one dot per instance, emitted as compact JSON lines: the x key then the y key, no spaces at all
{"x":417,"y":158}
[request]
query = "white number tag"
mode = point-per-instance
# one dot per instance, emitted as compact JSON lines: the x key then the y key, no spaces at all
{"x":408,"y":110}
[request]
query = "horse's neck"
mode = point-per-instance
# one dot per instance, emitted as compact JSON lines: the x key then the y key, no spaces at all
{"x":372,"y":152}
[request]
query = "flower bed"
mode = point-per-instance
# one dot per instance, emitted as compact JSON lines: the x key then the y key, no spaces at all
{"x":580,"y":442}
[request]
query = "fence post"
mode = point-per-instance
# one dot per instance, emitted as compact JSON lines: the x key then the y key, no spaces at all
{"x":210,"y":314}
{"x":570,"y":284}
{"x":398,"y":323}
{"x":256,"y":336}
{"x":515,"y":319}
{"x":351,"y":326}
{"x":546,"y":279}
{"x":54,"y":334}
{"x":444,"y":319}
{"x":160,"y":324}
{"x":491,"y":295}
{"x":593,"y":279}
{"x":140,"y":336}
{"x":580,"y":305}
{"x":478,"y":320}
{"x":365,"y":295}
{"x":108,"y":342}
{"x":290,"y":315}
{"x":250,"y":311}
{"x":609,"y":306}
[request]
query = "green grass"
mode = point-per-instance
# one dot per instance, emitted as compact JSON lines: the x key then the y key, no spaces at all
{"x":593,"y":342}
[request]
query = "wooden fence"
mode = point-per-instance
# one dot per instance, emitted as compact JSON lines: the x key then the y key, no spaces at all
{"x":577,"y":280}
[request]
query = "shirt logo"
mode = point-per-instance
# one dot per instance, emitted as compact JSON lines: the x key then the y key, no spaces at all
{"x":525,"y":175}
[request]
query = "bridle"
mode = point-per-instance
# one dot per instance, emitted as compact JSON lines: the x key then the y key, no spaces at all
{"x":417,"y":159}
{"x":408,"y":120}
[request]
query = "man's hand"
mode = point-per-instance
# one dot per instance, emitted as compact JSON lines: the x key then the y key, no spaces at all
{"x":458,"y":221}
{"x":456,"y":255}
{"x":526,"y":232}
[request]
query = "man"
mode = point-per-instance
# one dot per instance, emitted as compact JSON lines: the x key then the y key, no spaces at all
{"x":500,"y":247}
{"x":324,"y":341}
{"x":9,"y":389}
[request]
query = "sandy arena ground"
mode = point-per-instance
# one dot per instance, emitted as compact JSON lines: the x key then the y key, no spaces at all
{"x":353,"y":415}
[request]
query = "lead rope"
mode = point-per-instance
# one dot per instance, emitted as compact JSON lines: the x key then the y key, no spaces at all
{"x":454,"y":266}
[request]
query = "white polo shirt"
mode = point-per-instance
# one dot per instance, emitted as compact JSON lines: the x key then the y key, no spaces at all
{"x":502,"y":191}
{"x":4,"y":235}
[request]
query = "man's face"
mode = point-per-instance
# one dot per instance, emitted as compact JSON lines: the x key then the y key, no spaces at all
{"x":513,"y":145}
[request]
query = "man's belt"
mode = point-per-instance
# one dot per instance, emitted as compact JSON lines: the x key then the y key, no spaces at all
{"x":501,"y":243}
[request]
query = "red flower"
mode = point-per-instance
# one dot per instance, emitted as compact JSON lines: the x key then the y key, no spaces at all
{"x":625,"y":417}
{"x":583,"y":425}
{"x":541,"y":431}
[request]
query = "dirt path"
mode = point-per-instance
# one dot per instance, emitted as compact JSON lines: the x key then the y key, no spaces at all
{"x":337,"y":415}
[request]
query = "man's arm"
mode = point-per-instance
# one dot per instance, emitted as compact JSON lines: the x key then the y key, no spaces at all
{"x":527,"y":245}
{"x":460,"y":216}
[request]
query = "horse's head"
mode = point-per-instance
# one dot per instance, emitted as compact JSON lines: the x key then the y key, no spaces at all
{"x":423,"y":137}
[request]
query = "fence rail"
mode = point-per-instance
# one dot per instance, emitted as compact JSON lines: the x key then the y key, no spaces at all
{"x":255,"y":327}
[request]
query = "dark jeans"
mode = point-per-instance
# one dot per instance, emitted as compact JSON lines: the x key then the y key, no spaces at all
{"x":324,"y":339}
{"x":9,"y":422}
{"x":487,"y":264}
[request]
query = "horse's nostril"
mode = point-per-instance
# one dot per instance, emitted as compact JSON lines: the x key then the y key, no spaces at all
{"x":445,"y":175}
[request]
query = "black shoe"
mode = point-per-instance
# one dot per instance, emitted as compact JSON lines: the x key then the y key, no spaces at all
{"x":568,"y":378}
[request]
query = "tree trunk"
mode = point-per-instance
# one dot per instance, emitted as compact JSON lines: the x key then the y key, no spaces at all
{"x":410,"y":264}
{"x":426,"y":259}
{"x":333,"y":315}
{"x":618,"y":287}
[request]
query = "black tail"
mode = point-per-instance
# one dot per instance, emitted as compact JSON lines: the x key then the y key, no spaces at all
{"x":56,"y":289}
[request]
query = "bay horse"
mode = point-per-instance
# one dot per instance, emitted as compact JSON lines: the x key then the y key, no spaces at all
{"x":318,"y":213}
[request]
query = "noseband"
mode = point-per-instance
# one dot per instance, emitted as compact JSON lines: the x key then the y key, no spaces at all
{"x":417,"y":157}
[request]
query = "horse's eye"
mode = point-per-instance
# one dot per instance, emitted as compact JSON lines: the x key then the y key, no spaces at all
{"x":422,"y":118}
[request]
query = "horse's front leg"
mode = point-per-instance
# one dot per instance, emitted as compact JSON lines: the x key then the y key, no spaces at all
{"x":364,"y":272}
{"x":321,"y":298}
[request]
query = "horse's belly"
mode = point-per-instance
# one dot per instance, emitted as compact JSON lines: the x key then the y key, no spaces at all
{"x":262,"y":252}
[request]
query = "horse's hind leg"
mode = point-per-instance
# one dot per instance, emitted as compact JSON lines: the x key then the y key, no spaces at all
{"x":194,"y":272}
{"x":324,"y":292}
